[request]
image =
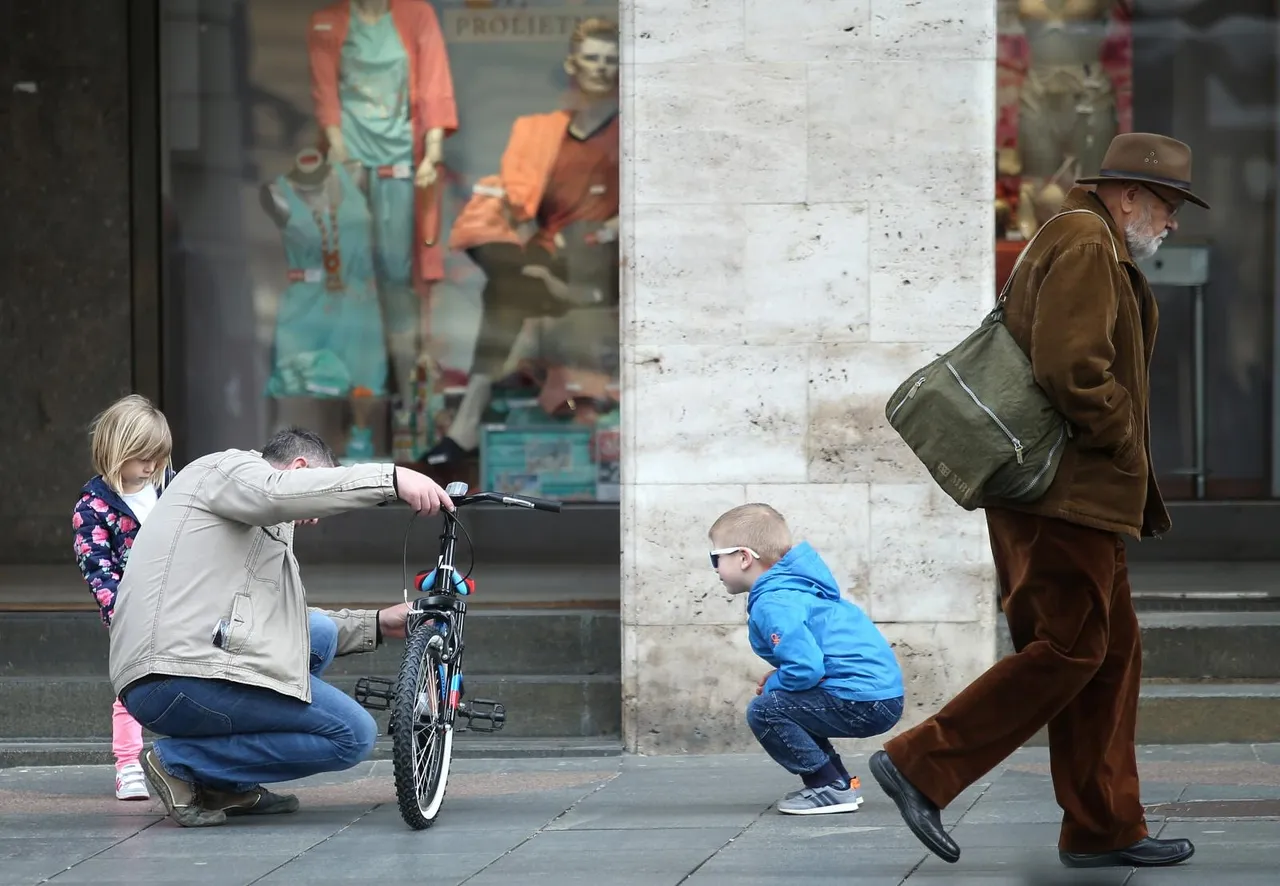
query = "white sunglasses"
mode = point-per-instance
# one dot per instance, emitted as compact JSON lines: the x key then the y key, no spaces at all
{"x":718,"y":552}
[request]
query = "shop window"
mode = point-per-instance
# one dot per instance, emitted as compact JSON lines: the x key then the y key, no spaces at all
{"x":1071,"y":74}
{"x":395,"y":221}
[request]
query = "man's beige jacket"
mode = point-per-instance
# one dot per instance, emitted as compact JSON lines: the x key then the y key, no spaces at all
{"x":218,"y":550}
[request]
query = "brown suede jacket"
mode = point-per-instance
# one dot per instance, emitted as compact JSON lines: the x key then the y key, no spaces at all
{"x":1088,"y":323}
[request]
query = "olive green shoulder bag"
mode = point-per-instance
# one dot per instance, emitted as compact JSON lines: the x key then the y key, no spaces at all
{"x":976,"y":418}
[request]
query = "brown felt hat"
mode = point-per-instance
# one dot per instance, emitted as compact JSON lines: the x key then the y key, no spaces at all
{"x":1146,"y":157}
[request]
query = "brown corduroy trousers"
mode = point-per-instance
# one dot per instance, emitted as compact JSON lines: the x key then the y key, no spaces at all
{"x":1077,"y":668}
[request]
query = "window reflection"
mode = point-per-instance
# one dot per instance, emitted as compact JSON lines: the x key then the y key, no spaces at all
{"x":1070,"y":75}
{"x":400,"y":224}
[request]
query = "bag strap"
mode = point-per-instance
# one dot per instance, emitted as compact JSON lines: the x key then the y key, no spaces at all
{"x":1004,"y":292}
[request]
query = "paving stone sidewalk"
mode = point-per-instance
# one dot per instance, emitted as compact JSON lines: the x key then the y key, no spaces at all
{"x":634,"y":821}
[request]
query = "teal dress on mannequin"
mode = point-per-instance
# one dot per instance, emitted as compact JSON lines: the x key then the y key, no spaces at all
{"x":373,"y":87}
{"x":328,"y":340}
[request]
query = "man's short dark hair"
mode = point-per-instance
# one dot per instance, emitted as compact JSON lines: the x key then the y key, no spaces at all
{"x":293,"y":443}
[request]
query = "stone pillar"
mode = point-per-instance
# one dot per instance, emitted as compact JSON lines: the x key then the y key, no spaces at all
{"x":808,"y":215}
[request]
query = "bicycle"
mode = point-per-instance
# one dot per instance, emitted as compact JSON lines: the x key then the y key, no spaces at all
{"x":425,"y":700}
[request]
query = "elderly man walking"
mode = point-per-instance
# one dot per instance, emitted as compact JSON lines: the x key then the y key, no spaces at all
{"x":1082,"y":311}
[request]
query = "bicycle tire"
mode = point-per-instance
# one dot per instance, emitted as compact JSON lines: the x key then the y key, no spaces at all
{"x":420,"y":798}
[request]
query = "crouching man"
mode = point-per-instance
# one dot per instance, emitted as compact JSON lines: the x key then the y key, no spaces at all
{"x":212,"y":643}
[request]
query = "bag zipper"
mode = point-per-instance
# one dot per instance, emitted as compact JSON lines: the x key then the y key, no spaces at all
{"x":911,"y":393}
{"x":1017,"y":444}
{"x":1062,"y":435}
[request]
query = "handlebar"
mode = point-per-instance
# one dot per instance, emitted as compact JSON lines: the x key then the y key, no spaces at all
{"x":463,"y":498}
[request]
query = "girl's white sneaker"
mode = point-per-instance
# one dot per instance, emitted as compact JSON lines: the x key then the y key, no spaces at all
{"x":131,"y":784}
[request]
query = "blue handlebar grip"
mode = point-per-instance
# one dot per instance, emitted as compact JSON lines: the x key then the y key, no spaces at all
{"x":426,"y":581}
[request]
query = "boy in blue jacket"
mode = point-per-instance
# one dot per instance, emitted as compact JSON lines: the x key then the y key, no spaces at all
{"x":834,"y":675}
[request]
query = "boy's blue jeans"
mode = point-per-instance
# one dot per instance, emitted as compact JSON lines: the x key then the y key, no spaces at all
{"x":795,"y":727}
{"x":233,"y":737}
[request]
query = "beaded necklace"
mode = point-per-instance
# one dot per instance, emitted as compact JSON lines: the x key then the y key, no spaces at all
{"x":330,"y":252}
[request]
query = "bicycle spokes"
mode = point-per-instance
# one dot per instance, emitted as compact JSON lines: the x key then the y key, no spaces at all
{"x":429,"y":726}
{"x":427,"y":758}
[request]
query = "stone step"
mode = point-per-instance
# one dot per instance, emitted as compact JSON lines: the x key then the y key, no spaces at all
{"x":525,"y":641}
{"x":1204,"y":712}
{"x":556,"y":670}
{"x":1201,"y":645}
{"x":1206,"y":601}
{"x":359,"y":584}
{"x":1205,"y":586}
{"x":465,"y":746}
{"x":1217,"y":645}
{"x":538,"y":706}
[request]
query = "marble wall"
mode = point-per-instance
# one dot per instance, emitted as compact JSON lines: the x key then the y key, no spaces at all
{"x":808,"y":218}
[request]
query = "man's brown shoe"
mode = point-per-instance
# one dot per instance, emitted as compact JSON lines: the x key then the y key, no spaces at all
{"x":179,"y":797}
{"x":255,"y":801}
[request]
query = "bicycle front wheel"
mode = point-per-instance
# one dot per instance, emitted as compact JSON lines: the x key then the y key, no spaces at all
{"x":422,"y":743}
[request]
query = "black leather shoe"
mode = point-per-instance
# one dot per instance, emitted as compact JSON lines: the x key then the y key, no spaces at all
{"x":1146,"y":853}
{"x":446,"y":452}
{"x":918,"y":811}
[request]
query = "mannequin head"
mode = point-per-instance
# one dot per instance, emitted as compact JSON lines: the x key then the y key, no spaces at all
{"x":309,"y":166}
{"x":309,"y":160}
{"x":593,"y":58}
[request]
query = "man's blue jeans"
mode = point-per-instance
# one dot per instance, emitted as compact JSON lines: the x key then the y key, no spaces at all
{"x":795,"y":727}
{"x":232,"y":737}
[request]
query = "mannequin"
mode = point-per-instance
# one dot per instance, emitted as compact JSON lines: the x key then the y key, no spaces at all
{"x":1067,"y":106}
{"x":329,"y":340}
{"x":544,"y":230}
{"x":384,"y":101}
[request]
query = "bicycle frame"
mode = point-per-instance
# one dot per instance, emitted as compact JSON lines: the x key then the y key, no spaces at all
{"x":447,"y":608}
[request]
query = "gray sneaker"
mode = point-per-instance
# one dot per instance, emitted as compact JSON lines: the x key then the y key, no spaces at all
{"x":179,"y":797}
{"x":255,"y":801}
{"x":822,"y":801}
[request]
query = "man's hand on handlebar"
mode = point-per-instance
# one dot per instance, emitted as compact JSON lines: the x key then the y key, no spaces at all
{"x":421,"y":493}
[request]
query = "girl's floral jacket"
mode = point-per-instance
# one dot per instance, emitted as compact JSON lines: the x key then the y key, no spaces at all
{"x":104,"y":531}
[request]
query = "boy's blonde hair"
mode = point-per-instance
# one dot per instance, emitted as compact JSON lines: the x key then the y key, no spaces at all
{"x":756,"y":526}
{"x":130,"y":428}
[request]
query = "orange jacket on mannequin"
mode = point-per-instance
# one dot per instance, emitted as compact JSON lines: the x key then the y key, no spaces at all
{"x":499,"y":204}
{"x":431,"y":99}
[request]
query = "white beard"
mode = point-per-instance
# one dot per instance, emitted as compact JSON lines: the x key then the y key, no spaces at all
{"x":1143,"y":245}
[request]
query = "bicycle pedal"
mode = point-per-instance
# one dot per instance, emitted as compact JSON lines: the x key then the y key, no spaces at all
{"x":375,"y":693}
{"x":483,"y":715}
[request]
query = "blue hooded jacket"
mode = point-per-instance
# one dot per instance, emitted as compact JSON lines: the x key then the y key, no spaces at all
{"x":800,"y":625}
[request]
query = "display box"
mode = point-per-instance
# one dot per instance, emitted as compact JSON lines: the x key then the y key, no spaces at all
{"x":519,"y":411}
{"x":549,"y":461}
{"x":538,"y":455}
{"x":606,"y":449}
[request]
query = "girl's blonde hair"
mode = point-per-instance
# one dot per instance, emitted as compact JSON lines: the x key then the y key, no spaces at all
{"x":130,"y":428}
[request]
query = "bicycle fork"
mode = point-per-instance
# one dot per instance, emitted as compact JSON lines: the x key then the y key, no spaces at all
{"x":476,"y":715}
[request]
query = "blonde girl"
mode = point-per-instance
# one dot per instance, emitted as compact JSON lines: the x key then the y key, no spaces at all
{"x":132,"y":449}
